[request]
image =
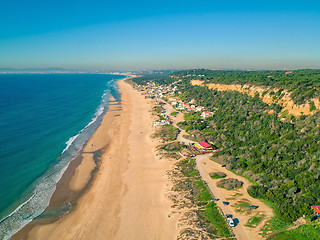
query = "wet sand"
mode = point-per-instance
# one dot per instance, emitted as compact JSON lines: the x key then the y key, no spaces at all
{"x":126,"y":199}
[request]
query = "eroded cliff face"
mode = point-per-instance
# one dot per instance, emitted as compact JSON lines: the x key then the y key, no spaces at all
{"x":264,"y":93}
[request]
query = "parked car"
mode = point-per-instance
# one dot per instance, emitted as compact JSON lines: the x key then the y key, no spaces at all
{"x":192,"y":155}
{"x":230,"y":222}
{"x":223,"y":165}
{"x":214,"y":199}
{"x":226,"y":203}
{"x":253,"y":207}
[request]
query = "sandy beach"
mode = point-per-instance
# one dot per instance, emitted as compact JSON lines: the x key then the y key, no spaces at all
{"x":127,"y":197}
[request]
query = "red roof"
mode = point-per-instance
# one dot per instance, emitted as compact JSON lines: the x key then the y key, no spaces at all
{"x":204,"y":144}
{"x":316,"y":208}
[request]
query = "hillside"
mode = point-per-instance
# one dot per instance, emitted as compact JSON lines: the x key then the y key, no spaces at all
{"x":274,"y":146}
{"x":267,"y":94}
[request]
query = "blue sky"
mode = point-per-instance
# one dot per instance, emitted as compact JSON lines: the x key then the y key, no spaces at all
{"x":135,"y":35}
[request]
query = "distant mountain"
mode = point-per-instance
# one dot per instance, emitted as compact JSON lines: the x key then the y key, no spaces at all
{"x":63,"y":70}
{"x":38,"y":70}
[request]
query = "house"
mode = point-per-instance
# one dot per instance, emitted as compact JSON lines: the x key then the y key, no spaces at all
{"x":199,"y":108}
{"x":316,"y":210}
{"x":162,"y":123}
{"x":202,"y":145}
{"x":204,"y":114}
{"x":206,"y":147}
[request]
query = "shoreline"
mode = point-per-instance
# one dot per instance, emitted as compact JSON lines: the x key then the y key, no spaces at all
{"x":72,"y":185}
{"x":128,"y":188}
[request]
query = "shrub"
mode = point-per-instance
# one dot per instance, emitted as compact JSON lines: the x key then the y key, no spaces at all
{"x":229,"y":183}
{"x":257,"y":191}
{"x":216,"y":175}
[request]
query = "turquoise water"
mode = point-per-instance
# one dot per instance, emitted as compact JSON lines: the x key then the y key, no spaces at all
{"x":45,"y":119}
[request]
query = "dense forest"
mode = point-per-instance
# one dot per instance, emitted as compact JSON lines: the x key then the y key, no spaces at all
{"x":160,"y":79}
{"x":282,"y":157}
{"x":302,"y":84}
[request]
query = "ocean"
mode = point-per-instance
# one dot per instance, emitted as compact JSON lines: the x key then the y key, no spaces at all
{"x":45,"y":120}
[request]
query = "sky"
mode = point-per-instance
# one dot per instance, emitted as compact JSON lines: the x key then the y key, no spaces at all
{"x":140,"y":35}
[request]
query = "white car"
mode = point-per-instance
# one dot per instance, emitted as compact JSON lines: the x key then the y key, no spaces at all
{"x":230,"y":222}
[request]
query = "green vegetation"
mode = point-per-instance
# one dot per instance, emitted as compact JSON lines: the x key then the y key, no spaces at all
{"x":255,"y":220}
{"x":217,"y":220}
{"x":217,"y":175}
{"x":209,"y":216}
{"x":302,"y":84}
{"x":193,"y":123}
{"x":157,"y":109}
{"x":172,"y":146}
{"x":229,"y":183}
{"x":278,"y":152}
{"x":196,"y":194}
{"x":173,"y":114}
{"x":161,"y":79}
{"x":274,"y":225}
{"x":242,"y":206}
{"x":310,"y":232}
{"x":234,"y":196}
{"x":282,"y":157}
{"x":167,"y":133}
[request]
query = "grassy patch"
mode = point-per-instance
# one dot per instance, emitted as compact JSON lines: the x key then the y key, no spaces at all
{"x":235,"y":196}
{"x":207,"y":215}
{"x":242,"y":206}
{"x":172,"y":146}
{"x":204,"y":192}
{"x":217,"y":220}
{"x":167,"y":133}
{"x":273,"y":225}
{"x":255,"y":220}
{"x":310,"y":232}
{"x":171,"y":155}
{"x":157,"y":109}
{"x":188,"y":167}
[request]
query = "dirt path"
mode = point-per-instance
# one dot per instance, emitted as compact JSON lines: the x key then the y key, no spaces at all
{"x":205,"y":166}
{"x":179,"y":118}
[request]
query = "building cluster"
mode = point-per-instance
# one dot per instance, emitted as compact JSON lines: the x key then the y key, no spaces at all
{"x":162,"y":122}
{"x":153,"y":91}
{"x":171,"y":95}
{"x":171,"y":92}
{"x":189,"y":106}
{"x":165,"y":119}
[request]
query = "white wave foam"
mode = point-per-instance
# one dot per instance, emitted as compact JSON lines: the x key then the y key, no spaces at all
{"x":18,"y":208}
{"x":34,"y":206}
{"x":39,"y":201}
{"x":100,"y":110}
{"x":69,"y":142}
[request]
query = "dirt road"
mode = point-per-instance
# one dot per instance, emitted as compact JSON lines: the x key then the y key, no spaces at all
{"x":205,"y":166}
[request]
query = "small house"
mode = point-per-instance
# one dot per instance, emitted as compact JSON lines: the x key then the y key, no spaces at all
{"x":206,"y":147}
{"x":316,"y":210}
